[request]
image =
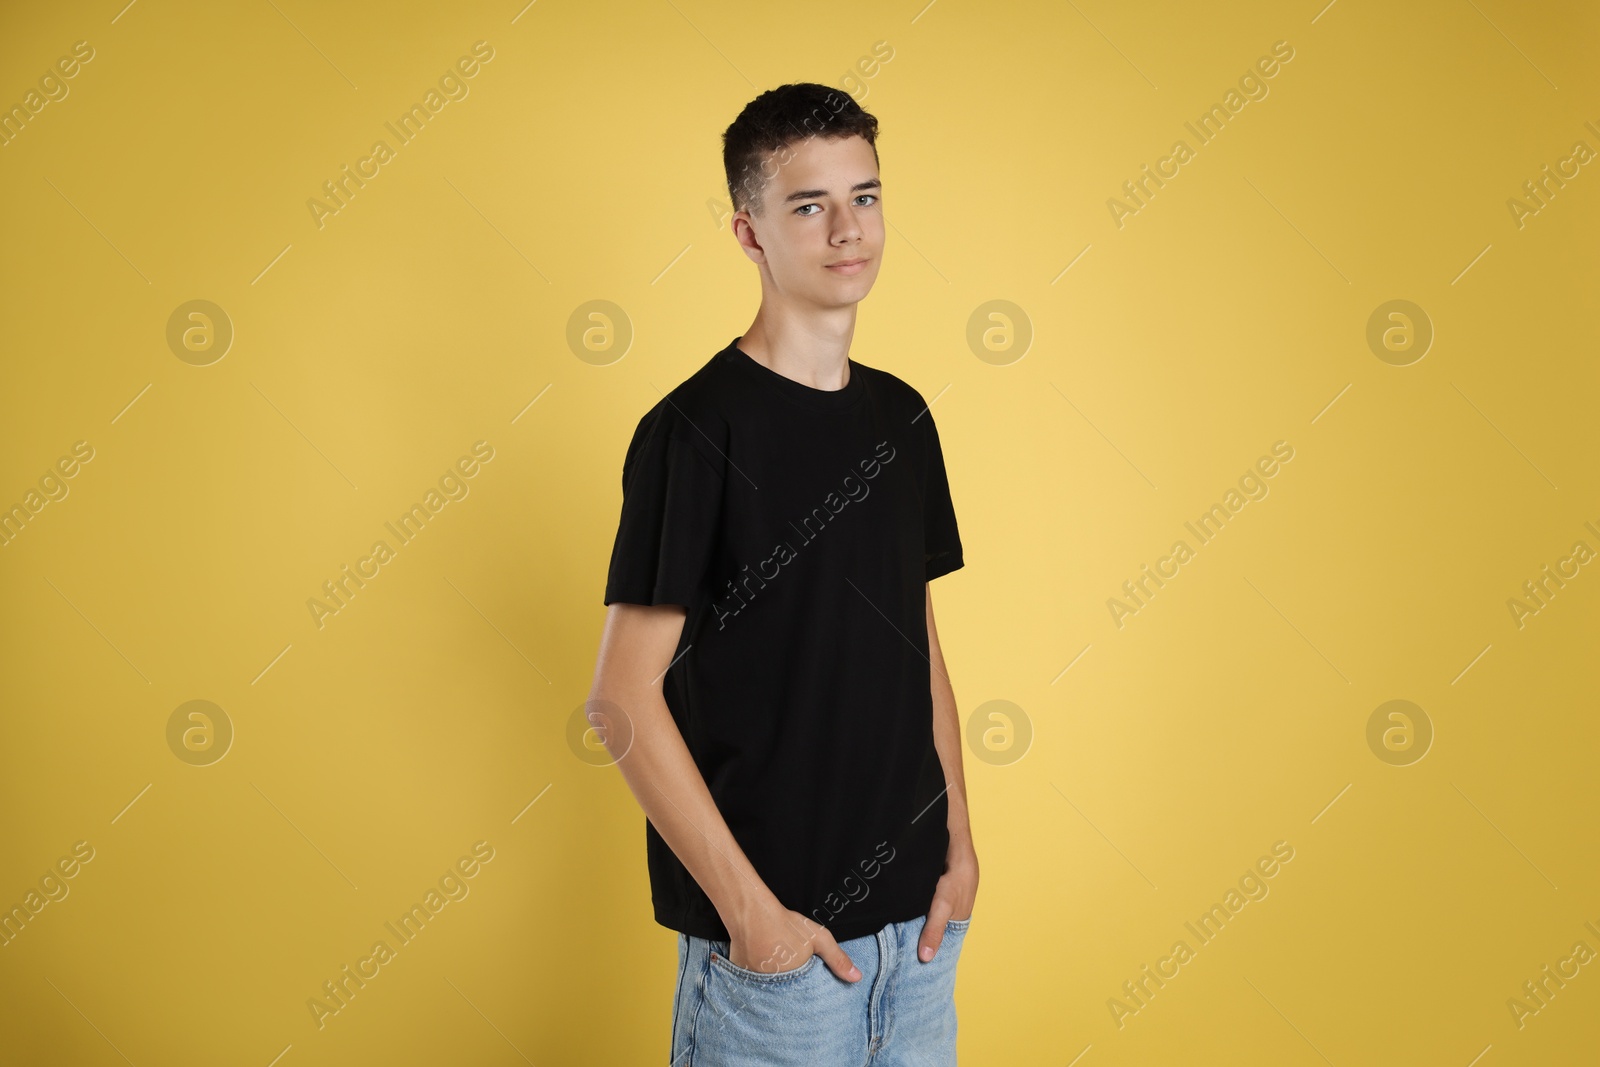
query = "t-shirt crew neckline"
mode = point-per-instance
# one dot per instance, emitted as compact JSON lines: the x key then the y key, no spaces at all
{"x":853,"y":390}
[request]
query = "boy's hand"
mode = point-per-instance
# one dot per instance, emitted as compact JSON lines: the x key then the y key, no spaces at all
{"x":952,"y":897}
{"x":772,"y":939}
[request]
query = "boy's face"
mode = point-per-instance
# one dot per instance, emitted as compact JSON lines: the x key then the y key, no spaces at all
{"x":822,"y":207}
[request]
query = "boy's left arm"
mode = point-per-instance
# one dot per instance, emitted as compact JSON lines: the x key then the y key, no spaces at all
{"x":958,"y":886}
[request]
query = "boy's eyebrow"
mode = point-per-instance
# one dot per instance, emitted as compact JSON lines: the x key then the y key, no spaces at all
{"x":816,"y":194}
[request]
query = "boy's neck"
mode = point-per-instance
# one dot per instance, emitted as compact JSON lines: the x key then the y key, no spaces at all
{"x":812,"y":353}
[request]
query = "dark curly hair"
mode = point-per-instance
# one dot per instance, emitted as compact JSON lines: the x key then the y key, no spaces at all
{"x":777,"y":118}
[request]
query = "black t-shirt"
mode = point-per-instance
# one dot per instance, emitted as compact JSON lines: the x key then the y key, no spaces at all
{"x":797,"y":526}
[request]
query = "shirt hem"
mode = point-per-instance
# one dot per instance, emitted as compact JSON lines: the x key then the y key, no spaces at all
{"x":650,"y":597}
{"x":857,"y":927}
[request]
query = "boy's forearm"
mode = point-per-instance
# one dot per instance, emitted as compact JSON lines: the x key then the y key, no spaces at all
{"x":947,"y":740}
{"x":947,"y":733}
{"x":669,"y":787}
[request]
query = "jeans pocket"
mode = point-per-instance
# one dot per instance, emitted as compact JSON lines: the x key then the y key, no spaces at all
{"x":720,"y":961}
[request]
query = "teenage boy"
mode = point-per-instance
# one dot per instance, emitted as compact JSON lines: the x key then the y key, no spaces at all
{"x":784,"y":511}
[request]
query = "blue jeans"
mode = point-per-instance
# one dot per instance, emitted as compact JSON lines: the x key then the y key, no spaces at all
{"x":902,"y":1013}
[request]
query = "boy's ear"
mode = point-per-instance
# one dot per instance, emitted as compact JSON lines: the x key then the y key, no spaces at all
{"x":747,"y":240}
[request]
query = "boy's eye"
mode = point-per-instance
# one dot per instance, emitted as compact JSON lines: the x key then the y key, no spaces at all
{"x":799,"y":210}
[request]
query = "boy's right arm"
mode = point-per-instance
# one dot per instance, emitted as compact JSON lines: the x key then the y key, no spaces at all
{"x":636,"y":649}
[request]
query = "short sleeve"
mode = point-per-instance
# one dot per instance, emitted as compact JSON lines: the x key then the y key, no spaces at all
{"x":941,"y":538}
{"x":671,"y":506}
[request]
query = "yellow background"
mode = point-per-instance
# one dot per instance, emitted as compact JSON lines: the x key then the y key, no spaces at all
{"x":369,"y":354}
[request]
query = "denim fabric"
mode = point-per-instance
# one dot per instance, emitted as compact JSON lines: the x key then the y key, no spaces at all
{"x":902,"y":1013}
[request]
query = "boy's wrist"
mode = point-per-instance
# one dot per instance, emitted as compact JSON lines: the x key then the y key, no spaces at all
{"x":743,"y":901}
